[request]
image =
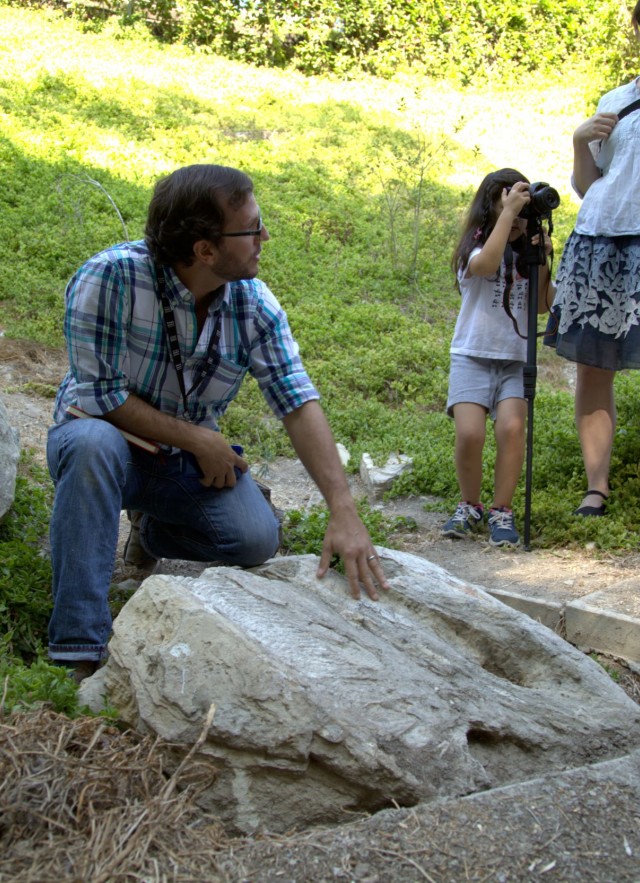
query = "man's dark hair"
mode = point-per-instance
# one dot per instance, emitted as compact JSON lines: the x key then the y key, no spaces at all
{"x":188,"y":205}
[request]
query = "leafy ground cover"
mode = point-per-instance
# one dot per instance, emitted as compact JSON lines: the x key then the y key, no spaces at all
{"x":362,"y":185}
{"x":383,"y":37}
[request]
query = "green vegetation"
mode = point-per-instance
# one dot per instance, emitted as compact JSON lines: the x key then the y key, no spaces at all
{"x":25,"y":573}
{"x":26,"y":677}
{"x":303,"y":532}
{"x":362,"y":186}
{"x":612,"y":670}
{"x":26,"y":686}
{"x":362,"y":183}
{"x":437,"y":38}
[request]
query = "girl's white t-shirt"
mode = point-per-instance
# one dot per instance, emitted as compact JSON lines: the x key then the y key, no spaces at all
{"x":611,"y":206}
{"x":483,"y":328}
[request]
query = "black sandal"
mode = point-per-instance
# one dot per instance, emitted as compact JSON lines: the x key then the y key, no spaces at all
{"x":587,"y":511}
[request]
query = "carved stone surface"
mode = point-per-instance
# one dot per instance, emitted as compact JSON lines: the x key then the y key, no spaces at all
{"x":9,"y":456}
{"x":325,"y":705}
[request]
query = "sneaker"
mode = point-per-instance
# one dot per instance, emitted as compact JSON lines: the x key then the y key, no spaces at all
{"x":502,"y":531}
{"x":133,"y":554}
{"x":466,"y":517}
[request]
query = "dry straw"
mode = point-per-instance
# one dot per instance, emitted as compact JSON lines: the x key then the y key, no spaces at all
{"x":80,"y":800}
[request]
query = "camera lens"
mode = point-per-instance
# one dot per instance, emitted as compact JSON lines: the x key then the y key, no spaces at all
{"x":543,"y":198}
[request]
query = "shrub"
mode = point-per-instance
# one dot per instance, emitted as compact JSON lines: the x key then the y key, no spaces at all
{"x":23,"y":687}
{"x":303,"y":532}
{"x":434,"y":37}
{"x":25,"y":571}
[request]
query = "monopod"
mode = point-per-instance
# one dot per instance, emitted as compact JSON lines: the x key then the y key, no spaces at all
{"x":543,"y":199}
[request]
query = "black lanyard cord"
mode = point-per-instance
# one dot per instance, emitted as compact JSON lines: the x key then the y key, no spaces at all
{"x":635,"y":105}
{"x":212,"y":357}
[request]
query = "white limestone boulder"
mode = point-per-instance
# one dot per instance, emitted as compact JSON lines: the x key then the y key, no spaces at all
{"x":325,"y":705}
{"x":9,"y":456}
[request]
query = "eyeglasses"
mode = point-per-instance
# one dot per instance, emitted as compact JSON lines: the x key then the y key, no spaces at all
{"x":247,"y":232}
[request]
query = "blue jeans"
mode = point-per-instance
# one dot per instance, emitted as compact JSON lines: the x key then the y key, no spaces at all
{"x":97,"y":474}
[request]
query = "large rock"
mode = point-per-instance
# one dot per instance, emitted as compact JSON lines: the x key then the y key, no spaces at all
{"x":9,"y":456}
{"x":325,"y":705}
{"x":579,"y":826}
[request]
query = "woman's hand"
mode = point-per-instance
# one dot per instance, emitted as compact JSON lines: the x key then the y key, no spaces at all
{"x":596,"y":128}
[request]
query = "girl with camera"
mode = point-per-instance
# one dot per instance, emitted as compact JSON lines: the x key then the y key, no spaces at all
{"x":488,"y":354}
{"x":597,"y":304}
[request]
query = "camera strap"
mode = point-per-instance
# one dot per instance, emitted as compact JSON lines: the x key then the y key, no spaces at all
{"x":212,"y":357}
{"x":508,"y":285}
{"x":506,"y":297}
{"x":635,"y":105}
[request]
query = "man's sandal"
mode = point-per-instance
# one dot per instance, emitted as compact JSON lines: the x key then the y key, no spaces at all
{"x":587,"y":511}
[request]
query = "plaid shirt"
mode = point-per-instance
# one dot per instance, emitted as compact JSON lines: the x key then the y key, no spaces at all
{"x":117,"y":343}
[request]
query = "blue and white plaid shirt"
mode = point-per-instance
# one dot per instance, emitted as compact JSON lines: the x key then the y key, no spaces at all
{"x":117,"y":343}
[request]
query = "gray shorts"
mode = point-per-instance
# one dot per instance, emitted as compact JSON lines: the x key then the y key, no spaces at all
{"x":483,"y":382}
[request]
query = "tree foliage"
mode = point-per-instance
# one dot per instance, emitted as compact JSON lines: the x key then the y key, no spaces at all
{"x":440,"y":38}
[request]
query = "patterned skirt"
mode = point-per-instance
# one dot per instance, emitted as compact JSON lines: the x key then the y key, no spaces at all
{"x":597,"y":304}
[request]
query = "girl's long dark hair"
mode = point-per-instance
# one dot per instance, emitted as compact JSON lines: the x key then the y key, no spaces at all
{"x":480,"y":219}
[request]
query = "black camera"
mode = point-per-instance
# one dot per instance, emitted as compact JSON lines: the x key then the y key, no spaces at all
{"x":544,"y":200}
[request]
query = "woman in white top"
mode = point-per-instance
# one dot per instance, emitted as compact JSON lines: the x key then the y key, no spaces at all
{"x":598,"y":282}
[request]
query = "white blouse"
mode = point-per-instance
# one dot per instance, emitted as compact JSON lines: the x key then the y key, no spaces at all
{"x":611,"y":206}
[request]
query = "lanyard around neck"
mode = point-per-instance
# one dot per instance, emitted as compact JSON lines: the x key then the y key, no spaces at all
{"x":212,"y":357}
